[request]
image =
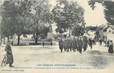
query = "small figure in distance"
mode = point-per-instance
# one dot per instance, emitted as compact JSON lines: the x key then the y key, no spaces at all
{"x":110,"y":46}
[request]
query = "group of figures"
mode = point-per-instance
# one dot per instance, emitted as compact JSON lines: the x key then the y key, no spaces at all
{"x":81,"y":43}
{"x":74,"y":44}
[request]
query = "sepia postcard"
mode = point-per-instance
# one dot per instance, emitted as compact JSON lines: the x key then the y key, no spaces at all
{"x":56,"y":36}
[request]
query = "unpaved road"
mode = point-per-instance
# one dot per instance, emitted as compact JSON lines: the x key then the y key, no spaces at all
{"x":49,"y":59}
{"x":28,"y":58}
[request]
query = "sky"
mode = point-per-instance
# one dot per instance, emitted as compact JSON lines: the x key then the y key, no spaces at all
{"x":92,"y":17}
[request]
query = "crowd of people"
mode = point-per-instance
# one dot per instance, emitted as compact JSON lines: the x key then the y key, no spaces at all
{"x":81,"y":43}
{"x":73,"y":44}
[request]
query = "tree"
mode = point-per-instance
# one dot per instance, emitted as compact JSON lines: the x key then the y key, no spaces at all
{"x":109,"y":9}
{"x":22,"y":17}
{"x":78,"y":30}
{"x":67,"y":15}
{"x":9,"y":11}
{"x":42,"y":18}
{"x":14,"y":16}
{"x":24,"y":7}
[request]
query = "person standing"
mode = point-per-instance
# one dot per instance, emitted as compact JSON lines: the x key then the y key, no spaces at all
{"x":90,"y":43}
{"x":61,"y":44}
{"x":100,"y":41}
{"x":85,"y":43}
{"x":110,"y":47}
{"x":9,"y":55}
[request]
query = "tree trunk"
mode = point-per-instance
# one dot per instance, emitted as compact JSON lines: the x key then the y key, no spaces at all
{"x":0,"y":40}
{"x":18,"y":42}
{"x":4,"y":40}
{"x":36,"y":38}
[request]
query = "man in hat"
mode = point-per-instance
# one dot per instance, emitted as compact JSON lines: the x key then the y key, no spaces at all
{"x":9,"y":55}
